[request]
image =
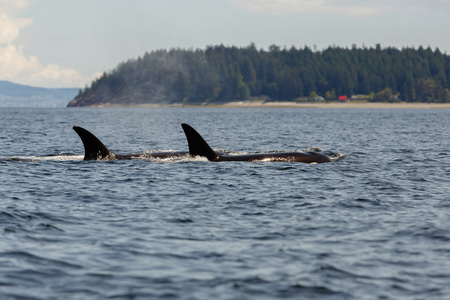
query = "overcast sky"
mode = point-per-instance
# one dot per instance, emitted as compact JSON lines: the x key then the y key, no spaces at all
{"x":67,"y":43}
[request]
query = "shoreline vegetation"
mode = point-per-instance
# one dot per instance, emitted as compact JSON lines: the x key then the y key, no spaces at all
{"x":290,"y":104}
{"x":220,"y":74}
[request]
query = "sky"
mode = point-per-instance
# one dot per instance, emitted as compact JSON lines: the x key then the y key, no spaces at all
{"x":67,"y":43}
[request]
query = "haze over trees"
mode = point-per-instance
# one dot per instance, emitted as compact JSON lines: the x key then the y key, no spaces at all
{"x":222,"y":73}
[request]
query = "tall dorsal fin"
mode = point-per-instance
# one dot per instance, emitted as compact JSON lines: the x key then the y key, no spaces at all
{"x":93,"y":147}
{"x":197,"y":145}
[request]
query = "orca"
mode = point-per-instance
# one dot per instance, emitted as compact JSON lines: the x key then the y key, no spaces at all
{"x":95,"y":150}
{"x":199,"y":147}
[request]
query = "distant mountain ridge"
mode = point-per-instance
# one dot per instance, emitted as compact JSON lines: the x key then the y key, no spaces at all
{"x":18,"y":95}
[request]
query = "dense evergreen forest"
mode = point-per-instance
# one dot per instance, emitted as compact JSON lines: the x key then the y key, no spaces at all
{"x":221,"y":73}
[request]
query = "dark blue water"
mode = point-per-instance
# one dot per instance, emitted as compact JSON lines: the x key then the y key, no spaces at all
{"x":373,"y":224}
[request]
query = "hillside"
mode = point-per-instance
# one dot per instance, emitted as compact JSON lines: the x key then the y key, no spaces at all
{"x":221,"y":73}
{"x":17,"y":95}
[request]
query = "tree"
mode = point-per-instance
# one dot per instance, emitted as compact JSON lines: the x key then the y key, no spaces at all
{"x":330,"y":95}
{"x":385,"y":95}
{"x":426,"y":90}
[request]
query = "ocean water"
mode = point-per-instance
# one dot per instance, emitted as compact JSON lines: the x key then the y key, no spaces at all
{"x":372,"y":224}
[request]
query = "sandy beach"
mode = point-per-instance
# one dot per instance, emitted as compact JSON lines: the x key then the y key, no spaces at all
{"x":336,"y":105}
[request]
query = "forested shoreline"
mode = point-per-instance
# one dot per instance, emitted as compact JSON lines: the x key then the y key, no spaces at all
{"x":221,"y":73}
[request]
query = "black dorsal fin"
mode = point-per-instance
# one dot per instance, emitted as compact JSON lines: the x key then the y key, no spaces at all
{"x":197,"y":145}
{"x":93,"y":147}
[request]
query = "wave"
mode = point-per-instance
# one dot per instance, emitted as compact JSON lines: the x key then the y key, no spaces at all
{"x":42,"y":158}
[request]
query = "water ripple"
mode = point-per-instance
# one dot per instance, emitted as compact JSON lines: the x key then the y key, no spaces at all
{"x":373,"y":224}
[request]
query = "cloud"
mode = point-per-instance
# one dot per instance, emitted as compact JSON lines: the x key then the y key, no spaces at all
{"x":12,"y":6}
{"x":281,"y":7}
{"x":54,"y":75}
{"x":10,"y":27}
{"x":17,"y":67}
{"x":339,"y":7}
